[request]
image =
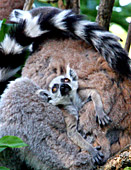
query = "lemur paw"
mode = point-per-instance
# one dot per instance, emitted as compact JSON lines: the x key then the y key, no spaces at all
{"x":43,"y":94}
{"x":97,"y":156}
{"x":102,"y":119}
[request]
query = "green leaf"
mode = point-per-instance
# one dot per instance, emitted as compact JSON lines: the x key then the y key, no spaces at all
{"x":39,"y":3}
{"x":127,"y":168}
{"x":12,"y":142}
{"x":3,"y":30}
{"x":4,"y":168}
{"x":1,"y":149}
{"x":2,"y":22}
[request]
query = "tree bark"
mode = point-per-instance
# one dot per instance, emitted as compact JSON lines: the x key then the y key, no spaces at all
{"x":61,"y":4}
{"x":74,"y":5}
{"x":128,"y":40}
{"x":104,"y":13}
{"x":121,"y":160}
{"x":28,"y":5}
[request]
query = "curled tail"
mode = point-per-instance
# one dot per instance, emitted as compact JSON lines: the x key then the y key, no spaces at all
{"x":17,"y":45}
{"x":103,"y":41}
{"x":41,"y":21}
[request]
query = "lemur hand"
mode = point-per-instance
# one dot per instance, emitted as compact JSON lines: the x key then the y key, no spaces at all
{"x":43,"y":94}
{"x":102,"y":118}
{"x":97,"y":156}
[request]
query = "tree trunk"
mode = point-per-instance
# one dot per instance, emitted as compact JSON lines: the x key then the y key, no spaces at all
{"x":128,"y":40}
{"x":74,"y":5}
{"x":104,"y":13}
{"x":28,"y":5}
{"x":121,"y":160}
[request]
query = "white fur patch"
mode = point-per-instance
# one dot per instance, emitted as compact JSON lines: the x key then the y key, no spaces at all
{"x":80,"y":28}
{"x":106,"y":34}
{"x":32,"y":28}
{"x":58,"y":19}
{"x":6,"y":73}
{"x":9,"y":45}
{"x":17,"y":14}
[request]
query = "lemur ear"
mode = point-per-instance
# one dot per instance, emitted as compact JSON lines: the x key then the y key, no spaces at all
{"x":44,"y":94}
{"x":71,"y":73}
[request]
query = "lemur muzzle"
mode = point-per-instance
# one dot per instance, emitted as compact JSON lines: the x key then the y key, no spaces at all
{"x":65,"y":89}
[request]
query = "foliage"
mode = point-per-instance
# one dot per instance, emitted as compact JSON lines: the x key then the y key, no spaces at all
{"x":10,"y":142}
{"x":119,"y":15}
{"x":4,"y":28}
{"x":39,"y":3}
{"x":127,"y":168}
{"x":3,"y":168}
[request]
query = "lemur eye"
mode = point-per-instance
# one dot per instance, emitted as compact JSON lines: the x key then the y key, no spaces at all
{"x":65,"y":80}
{"x":55,"y":88}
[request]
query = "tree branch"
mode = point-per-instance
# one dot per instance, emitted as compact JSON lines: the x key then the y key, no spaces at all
{"x":28,"y":5}
{"x":104,"y":13}
{"x":128,"y":39}
{"x":74,"y":5}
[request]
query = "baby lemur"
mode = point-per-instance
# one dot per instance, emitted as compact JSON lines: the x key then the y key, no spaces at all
{"x":63,"y":91}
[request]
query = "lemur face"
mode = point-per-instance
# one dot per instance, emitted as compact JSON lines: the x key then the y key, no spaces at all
{"x":62,"y":88}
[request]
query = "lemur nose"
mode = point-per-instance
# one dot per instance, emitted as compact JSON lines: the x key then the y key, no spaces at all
{"x":65,"y":89}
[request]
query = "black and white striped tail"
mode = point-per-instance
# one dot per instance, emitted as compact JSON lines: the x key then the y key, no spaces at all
{"x":16,"y":46}
{"x":32,"y":25}
{"x":12,"y":56}
{"x":104,"y":42}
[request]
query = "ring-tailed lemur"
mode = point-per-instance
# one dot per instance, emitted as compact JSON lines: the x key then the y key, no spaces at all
{"x":40,"y":22}
{"x":63,"y":92}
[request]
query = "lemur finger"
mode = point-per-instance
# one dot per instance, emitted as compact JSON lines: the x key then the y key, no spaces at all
{"x":97,"y":119}
{"x":103,"y":122}
{"x":100,"y":122}
{"x":97,"y":161}
{"x":107,"y":119}
{"x":99,"y":157}
{"x":93,"y":160}
{"x":101,"y":154}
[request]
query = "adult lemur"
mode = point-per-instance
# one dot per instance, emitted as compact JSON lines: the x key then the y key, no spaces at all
{"x":36,"y":25}
{"x":42,"y":22}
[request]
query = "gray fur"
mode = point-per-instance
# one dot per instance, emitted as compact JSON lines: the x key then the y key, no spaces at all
{"x":63,"y":91}
{"x":40,"y":125}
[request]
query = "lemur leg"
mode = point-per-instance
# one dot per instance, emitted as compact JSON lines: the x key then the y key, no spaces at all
{"x":74,"y":135}
{"x":101,"y":116}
